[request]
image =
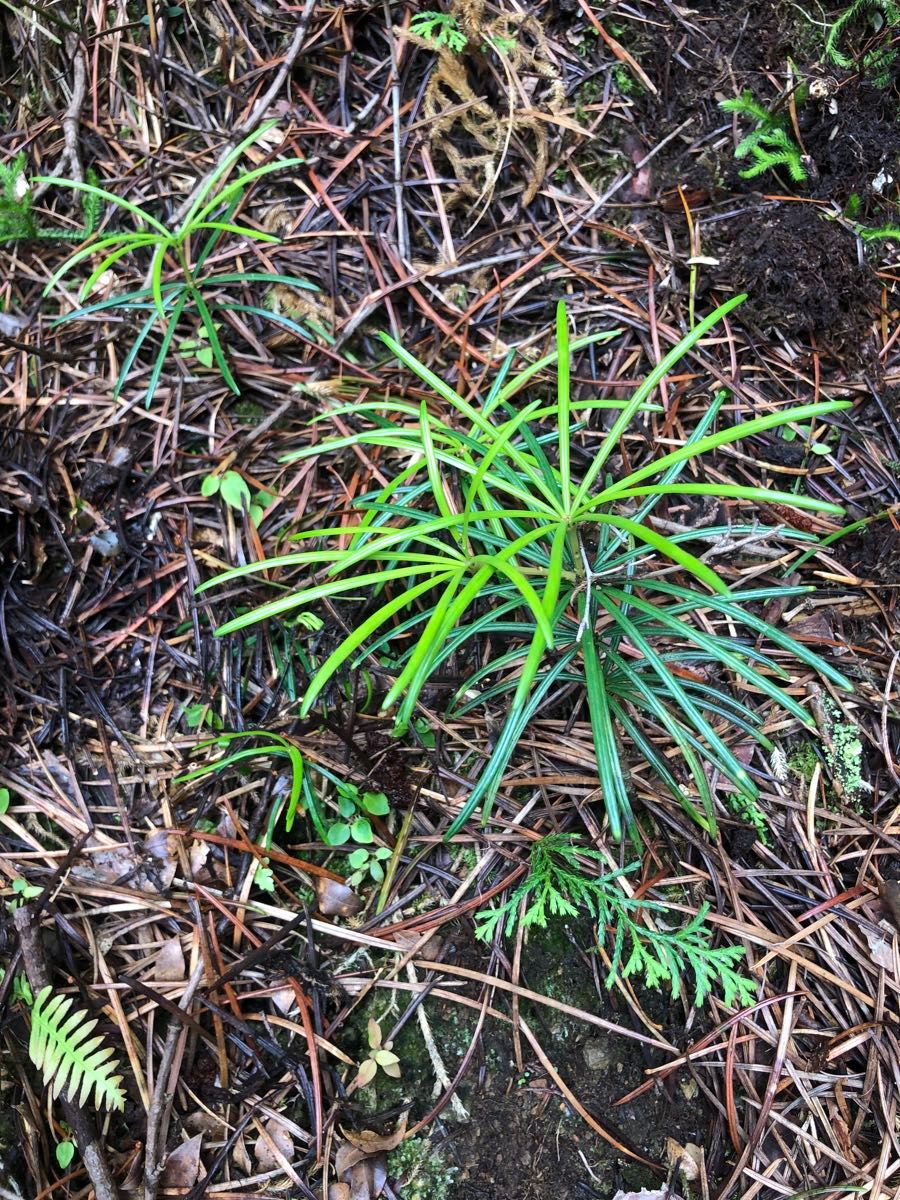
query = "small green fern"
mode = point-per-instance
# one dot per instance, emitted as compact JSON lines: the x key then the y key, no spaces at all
{"x":66,"y":1061}
{"x":17,"y":218}
{"x":876,"y":63}
{"x":557,"y":886}
{"x":769,"y":143}
{"x":440,"y":29}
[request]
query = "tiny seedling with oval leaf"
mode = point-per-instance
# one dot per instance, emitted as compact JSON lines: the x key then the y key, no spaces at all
{"x":379,"y":1056}
{"x":355,"y":808}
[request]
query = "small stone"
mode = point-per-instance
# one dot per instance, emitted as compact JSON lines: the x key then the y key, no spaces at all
{"x":596,"y":1054}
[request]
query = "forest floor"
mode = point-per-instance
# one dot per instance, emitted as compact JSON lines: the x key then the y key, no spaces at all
{"x":449,"y":199}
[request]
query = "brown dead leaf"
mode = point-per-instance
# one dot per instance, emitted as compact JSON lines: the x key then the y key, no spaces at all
{"x":688,"y":1157}
{"x":182,"y":1169}
{"x":336,"y":899}
{"x":338,"y":1191}
{"x":368,"y":1177}
{"x":275,"y":1137}
{"x":431,"y":950}
{"x":379,"y":1174}
{"x":371,"y":1143}
{"x":170,"y":961}
{"x":346,"y":1158}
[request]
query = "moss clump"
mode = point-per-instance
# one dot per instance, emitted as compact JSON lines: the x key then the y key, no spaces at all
{"x":420,"y":1171}
{"x":803,"y":761}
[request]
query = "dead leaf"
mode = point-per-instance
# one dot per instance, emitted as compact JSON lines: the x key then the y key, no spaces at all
{"x":275,"y":1137}
{"x":284,"y":999}
{"x":197,"y":855}
{"x":370,"y":1142}
{"x":170,"y":961}
{"x":347,"y":1156}
{"x":203,"y":1122}
{"x":161,"y":846}
{"x":431,"y":950}
{"x":336,"y":899}
{"x":368,"y":1177}
{"x":881,"y":947}
{"x":182,"y":1169}
{"x":688,"y":1157}
{"x":338,"y":1191}
{"x":360,"y":1183}
{"x":379,"y":1173}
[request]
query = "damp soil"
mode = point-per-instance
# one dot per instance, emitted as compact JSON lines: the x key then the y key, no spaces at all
{"x":799,"y":258}
{"x":801,"y":272}
{"x":525,"y":1143}
{"x":522,"y":1140}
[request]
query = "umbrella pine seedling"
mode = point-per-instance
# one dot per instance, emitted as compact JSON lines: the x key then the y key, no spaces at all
{"x":491,"y":529}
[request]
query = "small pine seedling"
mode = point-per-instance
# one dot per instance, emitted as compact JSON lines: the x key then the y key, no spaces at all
{"x":557,"y":886}
{"x":769,"y":143}
{"x":440,"y":29}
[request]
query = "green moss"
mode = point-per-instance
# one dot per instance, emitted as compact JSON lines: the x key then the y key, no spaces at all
{"x":625,"y":81}
{"x":249,"y":412}
{"x":803,"y":761}
{"x":420,"y":1170}
{"x":590,"y":92}
{"x":842,"y":751}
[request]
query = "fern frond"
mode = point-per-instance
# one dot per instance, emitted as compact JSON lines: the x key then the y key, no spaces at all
{"x":769,"y":142}
{"x":65,"y":1059}
{"x":440,"y":29}
{"x":557,"y":885}
{"x":885,"y":233}
{"x":766,"y":161}
{"x":748,"y":143}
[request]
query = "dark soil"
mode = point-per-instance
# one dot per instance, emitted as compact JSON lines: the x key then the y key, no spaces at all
{"x":805,"y":275}
{"x":525,"y":1143}
{"x":873,"y":553}
{"x":851,"y":138}
{"x":801,"y":272}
